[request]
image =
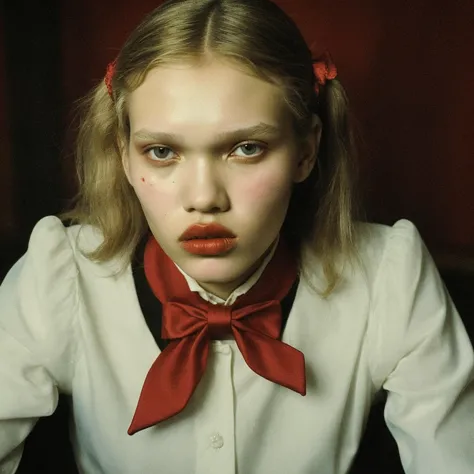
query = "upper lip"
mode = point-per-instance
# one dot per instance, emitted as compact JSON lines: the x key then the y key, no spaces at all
{"x":205,"y":231}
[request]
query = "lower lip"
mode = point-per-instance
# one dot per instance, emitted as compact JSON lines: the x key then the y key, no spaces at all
{"x":209,"y":246}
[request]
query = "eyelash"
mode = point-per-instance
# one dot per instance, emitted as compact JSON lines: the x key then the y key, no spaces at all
{"x":148,"y":150}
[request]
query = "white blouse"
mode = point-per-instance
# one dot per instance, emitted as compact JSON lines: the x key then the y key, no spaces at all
{"x":73,"y":326}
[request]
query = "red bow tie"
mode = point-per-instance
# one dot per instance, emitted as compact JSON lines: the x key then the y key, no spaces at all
{"x":190,"y":322}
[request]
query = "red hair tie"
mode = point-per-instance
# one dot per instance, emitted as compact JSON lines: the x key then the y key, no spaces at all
{"x":109,"y":75}
{"x":324,"y":70}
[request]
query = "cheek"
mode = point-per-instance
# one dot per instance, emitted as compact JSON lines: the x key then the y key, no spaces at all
{"x":155,"y":199}
{"x":146,"y":181}
{"x":265,"y":190}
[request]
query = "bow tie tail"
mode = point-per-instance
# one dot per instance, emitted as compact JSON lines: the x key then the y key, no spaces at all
{"x":273,"y":359}
{"x":166,"y":391}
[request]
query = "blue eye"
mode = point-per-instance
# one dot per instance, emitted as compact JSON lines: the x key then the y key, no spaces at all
{"x":250,"y":148}
{"x":156,"y":153}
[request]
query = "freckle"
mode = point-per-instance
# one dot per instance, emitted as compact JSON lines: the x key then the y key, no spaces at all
{"x":143,"y":180}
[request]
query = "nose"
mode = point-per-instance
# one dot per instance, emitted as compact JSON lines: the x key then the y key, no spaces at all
{"x":204,"y":188}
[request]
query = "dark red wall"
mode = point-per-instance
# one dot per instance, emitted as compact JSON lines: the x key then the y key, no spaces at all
{"x":408,"y":70}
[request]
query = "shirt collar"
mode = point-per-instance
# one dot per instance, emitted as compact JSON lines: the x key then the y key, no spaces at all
{"x":242,"y":289}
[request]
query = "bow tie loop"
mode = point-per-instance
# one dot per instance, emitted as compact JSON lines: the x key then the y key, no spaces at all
{"x":263,"y":318}
{"x":181,"y":320}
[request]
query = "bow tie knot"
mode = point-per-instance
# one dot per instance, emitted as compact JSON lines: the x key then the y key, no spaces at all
{"x":219,"y":322}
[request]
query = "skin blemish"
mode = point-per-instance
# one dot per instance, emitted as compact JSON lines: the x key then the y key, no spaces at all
{"x":143,"y":179}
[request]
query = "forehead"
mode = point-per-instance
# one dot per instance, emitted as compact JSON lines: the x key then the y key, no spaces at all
{"x":209,"y":95}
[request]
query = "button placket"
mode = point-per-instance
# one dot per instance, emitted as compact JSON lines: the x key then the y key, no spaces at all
{"x":214,"y":423}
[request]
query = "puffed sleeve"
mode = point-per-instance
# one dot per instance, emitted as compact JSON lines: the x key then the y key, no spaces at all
{"x":38,"y":301}
{"x":424,"y":359}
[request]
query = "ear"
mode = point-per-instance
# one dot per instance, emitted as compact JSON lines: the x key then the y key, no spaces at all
{"x":309,"y":151}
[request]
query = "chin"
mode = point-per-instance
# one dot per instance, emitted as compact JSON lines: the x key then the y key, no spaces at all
{"x":214,"y":270}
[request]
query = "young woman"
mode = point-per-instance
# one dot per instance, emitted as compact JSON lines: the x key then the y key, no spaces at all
{"x":218,"y":306}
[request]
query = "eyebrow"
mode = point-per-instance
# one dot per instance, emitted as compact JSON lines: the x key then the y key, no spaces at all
{"x":260,"y":129}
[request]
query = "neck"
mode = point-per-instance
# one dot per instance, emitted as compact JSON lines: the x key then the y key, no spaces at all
{"x":224,"y":290}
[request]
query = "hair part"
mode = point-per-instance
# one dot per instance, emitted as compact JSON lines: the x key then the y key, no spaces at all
{"x":257,"y":37}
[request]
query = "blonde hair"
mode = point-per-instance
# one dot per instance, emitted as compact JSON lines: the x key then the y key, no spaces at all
{"x":259,"y":37}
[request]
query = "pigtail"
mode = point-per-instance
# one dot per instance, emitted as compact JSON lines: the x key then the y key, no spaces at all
{"x":330,"y":194}
{"x":337,"y":162}
{"x":105,"y":199}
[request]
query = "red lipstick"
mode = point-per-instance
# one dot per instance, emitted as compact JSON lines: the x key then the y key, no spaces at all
{"x":207,"y":239}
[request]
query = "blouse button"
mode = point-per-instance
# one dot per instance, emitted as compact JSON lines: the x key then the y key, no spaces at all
{"x":220,"y":347}
{"x":217,"y":441}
